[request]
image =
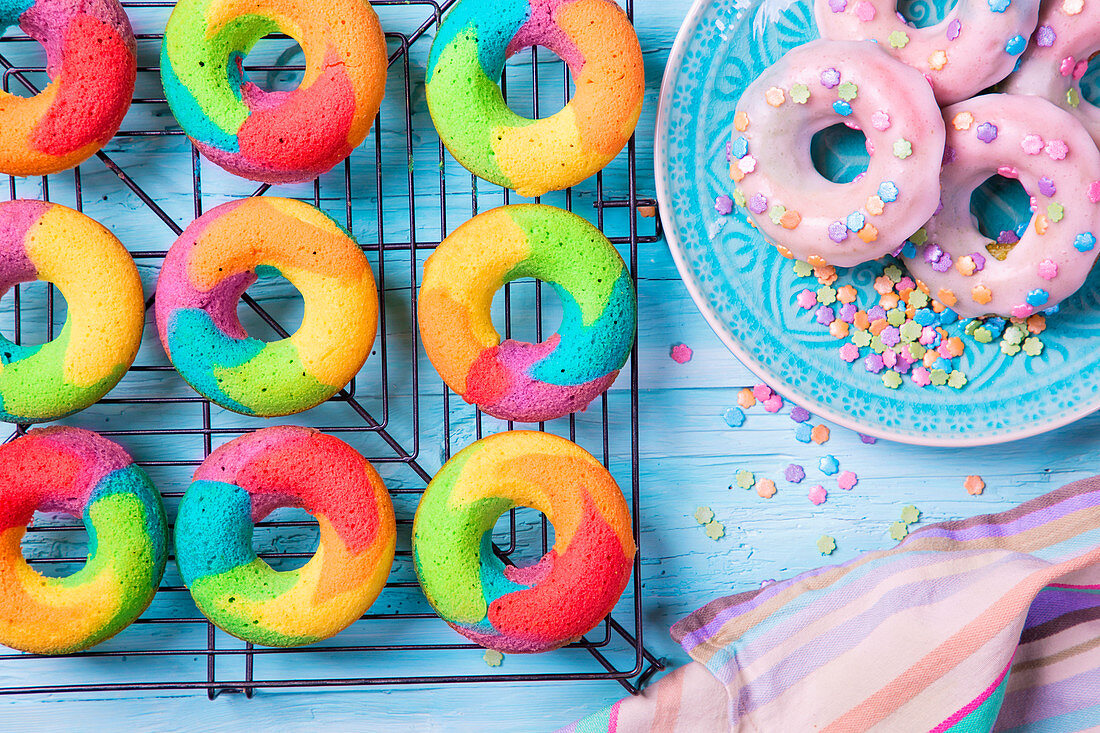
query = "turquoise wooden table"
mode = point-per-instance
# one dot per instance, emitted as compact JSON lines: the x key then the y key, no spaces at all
{"x":689,"y":456}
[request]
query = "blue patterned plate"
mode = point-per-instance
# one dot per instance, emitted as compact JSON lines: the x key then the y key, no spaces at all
{"x":746,"y":290}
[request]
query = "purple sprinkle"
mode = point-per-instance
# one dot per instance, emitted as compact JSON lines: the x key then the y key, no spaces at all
{"x":933,"y":253}
{"x":1045,"y":36}
{"x":876,"y":312}
{"x":795,"y":473}
{"x":867,"y":439}
{"x":838,"y":231}
{"x":943,"y":264}
{"x":758,"y":203}
{"x":953,"y":29}
{"x":838,"y":6}
{"x":830,"y":78}
{"x":949,"y":155}
{"x":1008,"y":237}
{"x":1046,"y":186}
{"x":800,"y":414}
{"x":903,"y":365}
{"x":848,"y":312}
{"x":890,"y":336}
{"x":979,"y":261}
{"x":825,"y":315}
{"x":874,"y":363}
{"x":729,"y":150}
{"x":723,"y":205}
{"x":987,"y":132}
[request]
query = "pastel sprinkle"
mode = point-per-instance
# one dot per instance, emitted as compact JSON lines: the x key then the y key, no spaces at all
{"x":937,"y":60}
{"x":828,"y":465}
{"x":855,"y":221}
{"x":794,"y":473}
{"x":847,"y":91}
{"x":773,"y":403}
{"x":987,"y":132}
{"x":849,"y":352}
{"x":493,"y":658}
{"x":898,"y":39}
{"x":715,"y":530}
{"x":1058,"y":150}
{"x":1073,"y":7}
{"x":1045,"y":36}
{"x":745,"y":479}
{"x":830,"y":78}
{"x":868,"y":439}
{"x":802,"y":433}
{"x":734,"y":417}
{"x":1046,"y":186}
{"x":880,"y":120}
{"x":974,"y":485}
{"x":1016,"y":45}
{"x":1032,"y":144}
{"x":910,"y":514}
{"x":723,"y":205}
{"x":842,"y":108}
{"x":1032,"y":346}
{"x":775,"y":96}
{"x":954,"y":28}
{"x":803,"y":269}
{"x":888,"y":191}
{"x":838,"y":231}
{"x":820,"y":434}
{"x":817,"y":495}
{"x":865,"y":11}
{"x":847,"y":480}
{"x":1094,"y":192}
{"x":765,"y":488}
{"x":898,"y":531}
{"x":838,"y":6}
{"x":1055,"y":212}
{"x":999,"y":6}
{"x":891,"y":379}
{"x":826,"y":545}
{"x":903,"y":148}
{"x":800,"y":93}
{"x":739,"y":148}
{"x":1084,"y":242}
{"x":758,"y":203}
{"x":1048,"y":269}
{"x":704,"y":514}
{"x":762,"y":392}
{"x":963,"y":121}
{"x":681,"y":353}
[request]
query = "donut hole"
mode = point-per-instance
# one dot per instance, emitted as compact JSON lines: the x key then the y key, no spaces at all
{"x":286,"y":538}
{"x":520,"y":93}
{"x":925,"y":13}
{"x":56,"y":545}
{"x":523,"y":536}
{"x":1001,"y":208}
{"x":524,"y":296}
{"x":280,"y":301}
{"x":1090,"y":82}
{"x":39,"y":318}
{"x":839,"y":153}
{"x":28,"y":56}
{"x":275,"y":64}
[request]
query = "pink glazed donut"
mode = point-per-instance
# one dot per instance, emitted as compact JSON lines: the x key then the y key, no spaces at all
{"x":1055,"y":160}
{"x":813,"y":87}
{"x":974,"y":46}
{"x":1052,"y":67}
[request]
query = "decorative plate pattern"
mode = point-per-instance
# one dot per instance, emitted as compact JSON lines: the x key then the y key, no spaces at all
{"x":746,"y":290}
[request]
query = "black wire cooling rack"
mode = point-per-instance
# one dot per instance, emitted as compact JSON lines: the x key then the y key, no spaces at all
{"x":400,"y":194}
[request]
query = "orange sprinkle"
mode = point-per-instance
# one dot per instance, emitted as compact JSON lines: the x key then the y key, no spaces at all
{"x":765,"y":488}
{"x":838,"y":329}
{"x":963,"y":121}
{"x":930,"y":357}
{"x":775,"y":96}
{"x":825,"y":274}
{"x":790,"y":220}
{"x":647,"y":211}
{"x":784,"y":251}
{"x":889,"y":300}
{"x":820,"y":434}
{"x":1037,"y":323}
{"x":910,"y":311}
{"x":883,"y":285}
{"x":966,"y":265}
{"x":868,"y":233}
{"x":861,"y":321}
{"x":741,"y":121}
{"x":981,"y":294}
{"x":846,"y":294}
{"x":816,"y":261}
{"x":937,"y":306}
{"x":875,"y":205}
{"x":946,"y":296}
{"x":735,"y":172}
{"x":937,"y":60}
{"x":955,"y":346}
{"x":905,"y":293}
{"x":974,"y":485}
{"x":745,"y":398}
{"x":923,"y":288}
{"x":877,"y":326}
{"x":1041,"y":224}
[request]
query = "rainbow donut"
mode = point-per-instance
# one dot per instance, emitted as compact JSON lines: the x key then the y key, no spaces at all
{"x":597,"y":42}
{"x":106,"y":311}
{"x":78,"y":472}
{"x":211,"y":265}
{"x":536,"y":608}
{"x":515,"y":380}
{"x":1059,"y":169}
{"x":245,"y":480}
{"x":91,"y":64}
{"x":977,"y":43}
{"x":1052,"y":67}
{"x":813,"y":87}
{"x":276,"y":137}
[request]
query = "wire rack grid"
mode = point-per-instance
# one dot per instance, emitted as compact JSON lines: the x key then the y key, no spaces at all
{"x":400,"y":194}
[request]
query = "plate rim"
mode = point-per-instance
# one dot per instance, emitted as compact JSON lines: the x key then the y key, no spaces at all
{"x":665,"y":208}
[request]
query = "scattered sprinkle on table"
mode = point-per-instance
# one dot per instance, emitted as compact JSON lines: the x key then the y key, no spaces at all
{"x":681,"y":353}
{"x":820,"y":434}
{"x":899,"y":531}
{"x":800,"y":414}
{"x":828,"y":465}
{"x":745,"y":398}
{"x":826,"y":545}
{"x":773,"y":403}
{"x":493,"y":658}
{"x":704,"y":514}
{"x":794,"y":473}
{"x":910,"y":514}
{"x":765,"y":488}
{"x":818,"y":495}
{"x":803,"y":433}
{"x":974,"y":485}
{"x":868,"y":439}
{"x":745,"y":479}
{"x":715,"y":530}
{"x":762,"y":392}
{"x":847,"y":480}
{"x":734,"y":417}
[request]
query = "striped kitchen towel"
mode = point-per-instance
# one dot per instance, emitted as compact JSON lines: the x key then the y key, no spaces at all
{"x":989,"y":623}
